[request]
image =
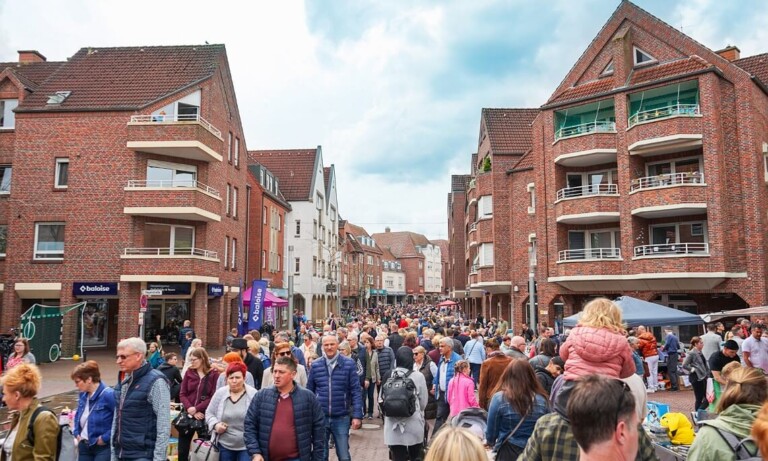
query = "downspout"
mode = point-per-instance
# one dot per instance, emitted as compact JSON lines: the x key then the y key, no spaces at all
{"x":248,"y":191}
{"x":261,"y":237}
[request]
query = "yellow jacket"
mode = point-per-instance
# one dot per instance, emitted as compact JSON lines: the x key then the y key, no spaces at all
{"x":46,"y":430}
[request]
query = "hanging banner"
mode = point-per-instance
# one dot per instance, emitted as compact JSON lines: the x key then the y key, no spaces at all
{"x":258,"y":292}
{"x":242,"y":312}
{"x":269,"y":315}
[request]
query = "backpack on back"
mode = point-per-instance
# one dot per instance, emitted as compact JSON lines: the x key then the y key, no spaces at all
{"x":739,"y":446}
{"x":398,"y":395}
{"x":66,"y":447}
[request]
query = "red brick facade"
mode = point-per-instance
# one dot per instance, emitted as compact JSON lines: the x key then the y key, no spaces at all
{"x":361,"y":268}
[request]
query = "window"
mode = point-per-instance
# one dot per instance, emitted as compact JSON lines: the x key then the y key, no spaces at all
{"x":421,"y":264}
{"x":333,"y":214}
{"x":5,"y":179}
{"x":165,"y":174}
{"x":229,"y":195}
{"x":665,"y":234}
{"x":264,"y":215}
{"x":641,"y":57}
{"x":49,"y":241}
{"x":697,"y":230}
{"x":61,"y":175}
{"x":296,"y":265}
{"x":679,"y":99}
{"x":237,"y":152}
{"x":269,"y":182}
{"x":229,"y":148}
{"x":485,"y":254}
{"x":346,"y":279}
{"x":593,"y":244}
{"x":314,"y":229}
{"x":169,"y":239}
{"x":233,"y":257}
{"x":263,"y":259}
{"x":298,"y":227}
{"x":319,"y":201}
{"x":596,"y":117}
{"x":590,"y":183}
{"x":226,"y":253}
{"x":532,"y":258}
{"x":314,"y":266}
{"x":608,"y":70}
{"x":684,"y":167}
{"x":532,"y":193}
{"x":421,"y":281}
{"x":485,"y":207}
{"x":234,"y":203}
{"x":370,"y":260}
{"x":3,"y":239}
{"x":7,"y":117}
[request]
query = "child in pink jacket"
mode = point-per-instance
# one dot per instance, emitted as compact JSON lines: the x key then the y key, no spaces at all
{"x":461,"y":389}
{"x":598,"y":345}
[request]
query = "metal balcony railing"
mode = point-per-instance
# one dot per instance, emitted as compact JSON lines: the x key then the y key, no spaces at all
{"x":176,"y":118}
{"x":588,"y":190}
{"x":672,"y":249}
{"x":663,"y":180}
{"x":473,"y":227}
{"x":473,"y":268}
{"x":472,"y":183}
{"x":662,"y":112}
{"x":589,"y":253}
{"x":171,"y":252}
{"x":190,"y":184}
{"x":584,"y":128}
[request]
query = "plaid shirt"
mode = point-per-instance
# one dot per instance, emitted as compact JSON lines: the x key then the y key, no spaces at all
{"x":553,"y":440}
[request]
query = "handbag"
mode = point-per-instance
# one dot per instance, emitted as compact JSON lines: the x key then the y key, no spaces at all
{"x":183,"y":423}
{"x":509,"y":452}
{"x":204,"y":450}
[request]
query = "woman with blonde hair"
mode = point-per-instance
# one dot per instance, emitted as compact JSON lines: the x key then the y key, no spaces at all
{"x":20,"y":386}
{"x":737,"y":409}
{"x":455,"y":443}
{"x":760,"y":431}
{"x":284,"y":350}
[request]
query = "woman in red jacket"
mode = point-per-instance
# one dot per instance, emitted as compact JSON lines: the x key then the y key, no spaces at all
{"x":197,"y":388}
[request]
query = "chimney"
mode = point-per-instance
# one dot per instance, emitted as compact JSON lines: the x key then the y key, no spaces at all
{"x":731,"y":53}
{"x":26,"y":56}
{"x":387,"y":229}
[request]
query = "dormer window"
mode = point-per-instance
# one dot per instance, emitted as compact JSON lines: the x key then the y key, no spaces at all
{"x":642,"y":58}
{"x":7,"y":116}
{"x":58,"y":98}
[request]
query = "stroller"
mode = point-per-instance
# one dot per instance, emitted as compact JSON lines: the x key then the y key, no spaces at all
{"x":475,"y":420}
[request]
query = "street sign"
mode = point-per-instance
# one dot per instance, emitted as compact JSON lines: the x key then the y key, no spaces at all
{"x":141,"y":321}
{"x":154,"y":292}
{"x":143,"y":300}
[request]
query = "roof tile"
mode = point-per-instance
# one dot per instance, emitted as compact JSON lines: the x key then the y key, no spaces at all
{"x":509,"y":130}
{"x":755,"y":65}
{"x":460,"y":182}
{"x":294,"y":168}
{"x":581,"y":91}
{"x":668,"y":69}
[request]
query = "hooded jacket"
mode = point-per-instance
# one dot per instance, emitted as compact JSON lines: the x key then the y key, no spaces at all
{"x":597,"y":350}
{"x":710,"y":445}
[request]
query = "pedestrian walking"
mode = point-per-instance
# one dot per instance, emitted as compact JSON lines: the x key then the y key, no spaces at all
{"x":252,"y":363}
{"x":405,"y":435}
{"x":445,"y":370}
{"x":475,"y":355}
{"x":172,"y":374}
{"x":285,"y":421}
{"x":547,"y":351}
{"x":672,"y":348}
{"x":372,"y":377}
{"x":514,"y":347}
{"x":423,"y":364}
{"x":461,"y":389}
{"x":142,"y":407}
{"x":284,"y":350}
{"x":490,"y":374}
{"x":548,"y":374}
{"x":94,"y":414}
{"x":696,"y":365}
{"x":155,"y":353}
{"x":223,"y":364}
{"x":197,"y":388}
{"x":755,"y":349}
{"x":333,"y":379}
{"x":650,"y":352}
{"x":20,"y":354}
{"x":225,"y":414}
{"x":711,"y":341}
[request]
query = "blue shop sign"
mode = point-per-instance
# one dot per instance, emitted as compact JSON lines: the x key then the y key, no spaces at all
{"x":215,"y":290}
{"x":171,"y":289}
{"x":94,"y":289}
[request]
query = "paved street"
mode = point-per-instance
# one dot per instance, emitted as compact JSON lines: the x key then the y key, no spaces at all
{"x":366,"y":444}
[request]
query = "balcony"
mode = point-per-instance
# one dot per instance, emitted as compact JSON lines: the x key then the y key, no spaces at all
{"x":593,"y":208}
{"x":166,"y":264}
{"x":667,"y":180}
{"x":671,"y":250}
{"x":151,"y":253}
{"x":187,"y":200}
{"x":672,"y":110}
{"x":471,"y":185}
{"x":585,"y":128}
{"x":186,"y":136}
{"x":602,"y":150}
{"x":589,"y":254}
{"x":472,"y":227}
{"x":587,"y":191}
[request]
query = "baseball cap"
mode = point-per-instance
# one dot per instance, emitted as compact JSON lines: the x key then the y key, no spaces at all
{"x":732,"y":345}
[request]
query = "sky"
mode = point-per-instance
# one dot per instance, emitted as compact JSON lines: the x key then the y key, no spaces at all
{"x":392,"y":90}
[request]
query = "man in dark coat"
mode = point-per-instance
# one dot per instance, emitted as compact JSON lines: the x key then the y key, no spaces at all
{"x":253,"y":364}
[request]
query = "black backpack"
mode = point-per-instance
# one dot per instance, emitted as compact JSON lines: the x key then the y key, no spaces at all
{"x":739,"y":446}
{"x":65,"y":441}
{"x":398,"y":395}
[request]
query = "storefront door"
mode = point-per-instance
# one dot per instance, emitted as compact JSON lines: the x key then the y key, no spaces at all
{"x":165,"y":317}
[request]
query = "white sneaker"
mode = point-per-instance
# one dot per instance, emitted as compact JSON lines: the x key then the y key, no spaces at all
{"x":650,"y":390}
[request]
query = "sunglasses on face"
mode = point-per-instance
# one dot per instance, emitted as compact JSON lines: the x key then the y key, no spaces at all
{"x":284,"y":354}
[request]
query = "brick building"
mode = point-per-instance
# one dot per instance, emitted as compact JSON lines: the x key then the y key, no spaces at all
{"x":444,"y":251}
{"x":456,"y":267}
{"x":361,"y":267}
{"x":393,"y":278}
{"x":126,"y":175}
{"x":419,"y":259}
{"x":646,"y":177}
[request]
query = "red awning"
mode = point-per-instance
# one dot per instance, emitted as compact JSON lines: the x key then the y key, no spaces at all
{"x":269,"y":299}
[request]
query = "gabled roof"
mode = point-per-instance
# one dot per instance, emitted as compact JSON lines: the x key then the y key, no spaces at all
{"x":279,"y":197}
{"x":31,"y":74}
{"x":355,"y":230}
{"x":125,"y":78}
{"x":473,"y":167}
{"x":581,"y":91}
{"x":459,"y":182}
{"x":509,"y":130}
{"x":387,"y":255}
{"x":668,"y":69}
{"x":756,"y":66}
{"x":401,"y":244}
{"x":295,"y":168}
{"x":525,"y":162}
{"x":444,"y":248}
{"x":326,"y":179}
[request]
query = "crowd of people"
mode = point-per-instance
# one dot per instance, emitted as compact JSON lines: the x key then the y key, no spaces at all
{"x":297,"y":395}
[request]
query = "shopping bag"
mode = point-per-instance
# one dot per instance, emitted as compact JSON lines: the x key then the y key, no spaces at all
{"x":203,"y":450}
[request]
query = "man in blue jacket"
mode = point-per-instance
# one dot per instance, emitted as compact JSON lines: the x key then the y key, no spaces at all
{"x":333,"y":378}
{"x":448,"y":359}
{"x":285,"y":421}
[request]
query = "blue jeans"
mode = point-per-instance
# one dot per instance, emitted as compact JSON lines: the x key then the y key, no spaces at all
{"x":225,"y":454}
{"x":338,"y":427}
{"x":94,"y":453}
{"x":369,"y":399}
{"x":475,"y":372}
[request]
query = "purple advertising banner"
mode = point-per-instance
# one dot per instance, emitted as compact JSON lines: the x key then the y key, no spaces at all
{"x":269,"y":315}
{"x":258,"y":293}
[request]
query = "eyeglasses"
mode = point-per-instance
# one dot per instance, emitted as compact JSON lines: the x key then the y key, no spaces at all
{"x":284,"y":354}
{"x":123,"y":357}
{"x":625,"y":391}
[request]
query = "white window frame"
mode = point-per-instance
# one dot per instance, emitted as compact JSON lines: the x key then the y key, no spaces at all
{"x":532,"y":192}
{"x":677,"y":225}
{"x":588,"y":237}
{"x":234,"y":202}
{"x":233,"y":256}
{"x":4,"y":226}
{"x":229,"y":195}
{"x":37,"y":253}
{"x":263,"y":259}
{"x":481,"y":252}
{"x":172,"y":166}
{"x":229,"y":148}
{"x":485,"y":201}
{"x":7,"y":116}
{"x":640,"y":64}
{"x":3,"y":168}
{"x":172,"y":238}
{"x":237,"y":152}
{"x":57,"y":173}
{"x":673,"y":164}
{"x":226,"y":252}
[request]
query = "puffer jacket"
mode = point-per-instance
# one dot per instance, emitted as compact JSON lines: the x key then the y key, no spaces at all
{"x":336,"y":393}
{"x":597,"y":350}
{"x":709,"y":445}
{"x":648,"y":345}
{"x":308,"y":418}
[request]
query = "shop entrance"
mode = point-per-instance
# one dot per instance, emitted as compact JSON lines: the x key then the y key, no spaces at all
{"x":165,"y":317}
{"x":96,"y":322}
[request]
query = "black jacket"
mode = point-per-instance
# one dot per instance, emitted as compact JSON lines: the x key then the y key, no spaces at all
{"x":173,"y":375}
{"x":256,"y":368}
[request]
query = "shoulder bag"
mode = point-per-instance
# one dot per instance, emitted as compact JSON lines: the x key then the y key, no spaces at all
{"x":507,"y":451}
{"x":203,"y":450}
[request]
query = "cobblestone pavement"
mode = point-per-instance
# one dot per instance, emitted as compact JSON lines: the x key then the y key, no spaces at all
{"x":365,"y":444}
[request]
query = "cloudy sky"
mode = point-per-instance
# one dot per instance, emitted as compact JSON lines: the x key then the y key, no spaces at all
{"x":392,"y":90}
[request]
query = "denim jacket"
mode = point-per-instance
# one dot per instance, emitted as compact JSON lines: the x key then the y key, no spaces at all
{"x":102,"y":410}
{"x":502,"y":419}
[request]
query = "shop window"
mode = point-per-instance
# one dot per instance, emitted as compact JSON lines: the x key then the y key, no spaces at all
{"x":95,"y":325}
{"x":49,"y":241}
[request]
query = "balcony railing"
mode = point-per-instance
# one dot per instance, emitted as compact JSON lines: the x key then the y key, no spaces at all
{"x":191,"y":184}
{"x":589,"y":253}
{"x":473,"y":227}
{"x":590,"y":189}
{"x":662,"y":180}
{"x":176,"y":118}
{"x":171,"y":252}
{"x":672,"y":249}
{"x":472,"y":183}
{"x":662,"y":112}
{"x":473,"y":268}
{"x":584,"y":128}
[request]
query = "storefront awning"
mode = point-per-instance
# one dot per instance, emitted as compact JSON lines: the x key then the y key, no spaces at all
{"x":38,"y":290}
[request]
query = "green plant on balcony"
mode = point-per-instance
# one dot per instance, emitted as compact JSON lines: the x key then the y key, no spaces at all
{"x":487,"y":164}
